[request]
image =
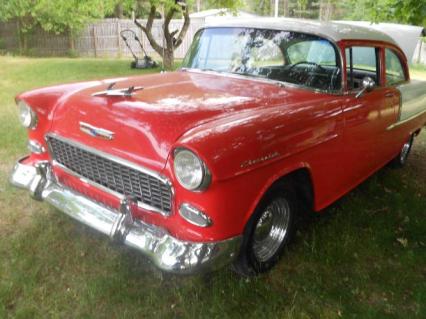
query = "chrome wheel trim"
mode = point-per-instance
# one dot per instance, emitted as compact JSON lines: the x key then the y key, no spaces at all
{"x":405,"y":150}
{"x":271,"y":229}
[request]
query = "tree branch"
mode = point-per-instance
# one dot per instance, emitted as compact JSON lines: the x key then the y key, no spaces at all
{"x":148,"y":31}
{"x":166,"y":29}
{"x":184,"y":29}
{"x":151,"y":17}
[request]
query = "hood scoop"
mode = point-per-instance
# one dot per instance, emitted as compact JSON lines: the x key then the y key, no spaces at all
{"x":126,"y":92}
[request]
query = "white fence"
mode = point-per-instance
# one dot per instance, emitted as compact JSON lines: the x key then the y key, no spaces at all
{"x":103,"y":38}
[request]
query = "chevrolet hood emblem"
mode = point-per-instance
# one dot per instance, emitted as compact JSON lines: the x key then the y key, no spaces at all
{"x":96,"y":131}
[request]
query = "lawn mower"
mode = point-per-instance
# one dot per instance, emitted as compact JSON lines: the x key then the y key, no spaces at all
{"x":139,"y":63}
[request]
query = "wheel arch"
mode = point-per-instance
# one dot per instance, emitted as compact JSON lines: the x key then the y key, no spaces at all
{"x":299,"y":177}
{"x":418,"y":131}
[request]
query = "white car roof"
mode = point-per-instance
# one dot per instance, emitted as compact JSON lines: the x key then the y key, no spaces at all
{"x":335,"y":31}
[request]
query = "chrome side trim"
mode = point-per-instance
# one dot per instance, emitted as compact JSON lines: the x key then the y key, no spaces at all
{"x":118,"y":160}
{"x":395,"y":125}
{"x":165,"y":251}
{"x":413,"y":99}
{"x":412,"y":102}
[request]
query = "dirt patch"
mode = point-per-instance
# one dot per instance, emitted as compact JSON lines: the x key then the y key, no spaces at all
{"x":416,"y":166}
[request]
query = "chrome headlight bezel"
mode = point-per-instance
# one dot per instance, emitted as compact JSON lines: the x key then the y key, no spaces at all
{"x":27,"y":117}
{"x":194,"y":179}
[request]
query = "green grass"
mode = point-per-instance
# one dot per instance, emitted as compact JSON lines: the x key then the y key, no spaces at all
{"x":365,"y":257}
{"x":418,"y":72}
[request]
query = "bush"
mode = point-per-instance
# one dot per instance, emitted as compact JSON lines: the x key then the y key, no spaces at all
{"x":72,"y":53}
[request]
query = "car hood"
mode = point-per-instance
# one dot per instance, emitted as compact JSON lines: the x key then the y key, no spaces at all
{"x":147,"y":124}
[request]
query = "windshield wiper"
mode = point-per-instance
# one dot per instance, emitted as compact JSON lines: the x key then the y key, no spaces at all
{"x":127,"y":92}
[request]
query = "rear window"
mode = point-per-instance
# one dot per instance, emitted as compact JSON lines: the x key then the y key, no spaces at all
{"x":394,"y":69}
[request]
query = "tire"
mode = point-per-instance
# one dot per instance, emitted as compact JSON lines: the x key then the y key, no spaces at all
{"x":401,"y":159}
{"x":268,"y":231}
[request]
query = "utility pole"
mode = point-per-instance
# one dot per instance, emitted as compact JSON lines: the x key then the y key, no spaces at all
{"x":276,"y":8}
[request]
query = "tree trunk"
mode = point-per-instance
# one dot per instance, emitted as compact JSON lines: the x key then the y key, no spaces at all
{"x":21,"y":41}
{"x":25,"y":43}
{"x":285,"y":7}
{"x":71,"y":41}
{"x":326,"y":10}
{"x":198,"y":5}
{"x":172,"y":40}
{"x":119,"y":10}
{"x":168,"y":60}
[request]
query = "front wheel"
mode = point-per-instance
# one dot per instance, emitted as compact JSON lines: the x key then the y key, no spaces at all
{"x":267,"y":232}
{"x":401,"y":159}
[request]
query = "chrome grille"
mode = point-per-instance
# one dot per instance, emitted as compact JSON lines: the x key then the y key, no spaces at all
{"x":112,"y":174}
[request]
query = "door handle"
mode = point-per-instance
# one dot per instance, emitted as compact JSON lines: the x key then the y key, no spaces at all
{"x":389,"y":94}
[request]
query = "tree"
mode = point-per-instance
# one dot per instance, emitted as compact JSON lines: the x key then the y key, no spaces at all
{"x":21,"y":11}
{"x":398,"y":11}
{"x":70,"y":16}
{"x":128,"y":8}
{"x":59,"y":16}
{"x":402,"y":11}
{"x":172,"y":39}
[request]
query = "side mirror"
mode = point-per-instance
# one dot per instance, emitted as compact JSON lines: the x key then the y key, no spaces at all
{"x":368,"y":85}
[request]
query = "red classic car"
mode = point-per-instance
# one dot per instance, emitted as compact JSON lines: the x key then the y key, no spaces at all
{"x":211,"y":165}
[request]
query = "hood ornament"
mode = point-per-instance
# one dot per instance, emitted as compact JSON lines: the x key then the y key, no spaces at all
{"x":96,"y":131}
{"x":127,"y":92}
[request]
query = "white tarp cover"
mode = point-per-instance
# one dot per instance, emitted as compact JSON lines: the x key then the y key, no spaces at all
{"x":407,"y":36}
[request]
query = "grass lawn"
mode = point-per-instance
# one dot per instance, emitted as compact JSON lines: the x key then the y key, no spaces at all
{"x":418,"y":72}
{"x":365,"y":257}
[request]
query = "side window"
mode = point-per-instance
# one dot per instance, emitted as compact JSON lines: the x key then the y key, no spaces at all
{"x":394,"y":70}
{"x":360,"y":63}
{"x":318,"y":51}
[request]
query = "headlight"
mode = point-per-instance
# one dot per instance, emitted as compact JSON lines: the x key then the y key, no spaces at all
{"x":190,"y":171}
{"x":27,"y":116}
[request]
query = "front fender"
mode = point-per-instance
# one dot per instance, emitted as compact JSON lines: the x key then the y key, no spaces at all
{"x":247,"y":141}
{"x":248,"y":152}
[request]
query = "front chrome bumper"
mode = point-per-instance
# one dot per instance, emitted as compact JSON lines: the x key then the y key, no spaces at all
{"x":167,"y":253}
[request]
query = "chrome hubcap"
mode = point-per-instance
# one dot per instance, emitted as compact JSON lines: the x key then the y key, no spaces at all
{"x":405,"y":150}
{"x":271,"y":229}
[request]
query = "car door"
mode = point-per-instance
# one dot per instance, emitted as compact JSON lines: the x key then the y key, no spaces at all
{"x":395,"y":75}
{"x":367,"y":113}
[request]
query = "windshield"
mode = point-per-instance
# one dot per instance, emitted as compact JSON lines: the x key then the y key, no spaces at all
{"x":291,"y":57}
